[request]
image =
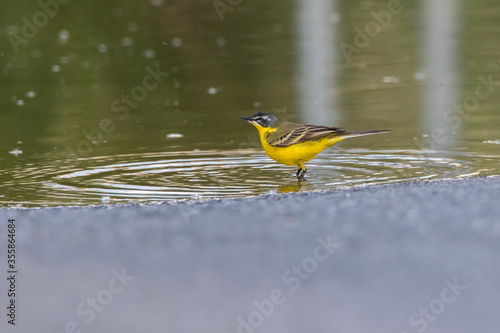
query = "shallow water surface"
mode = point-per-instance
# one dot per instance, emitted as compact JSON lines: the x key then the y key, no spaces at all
{"x":199,"y":174}
{"x":140,"y":101}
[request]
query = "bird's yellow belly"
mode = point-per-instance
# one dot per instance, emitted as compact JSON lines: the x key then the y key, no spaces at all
{"x":302,"y":152}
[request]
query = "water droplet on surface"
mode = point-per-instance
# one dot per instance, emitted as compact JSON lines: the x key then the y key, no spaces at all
{"x":63,"y":36}
{"x":56,"y":68}
{"x":103,"y":48}
{"x":390,"y":79}
{"x":16,"y":152}
{"x":133,"y":26}
{"x":497,"y":142}
{"x":31,"y":94}
{"x":176,"y":42}
{"x":420,"y":76}
{"x":148,"y":53}
{"x":12,"y":29}
{"x":212,"y":91}
{"x":174,"y":135}
{"x":127,"y":41}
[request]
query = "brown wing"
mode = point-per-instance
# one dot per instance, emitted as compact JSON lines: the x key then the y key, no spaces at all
{"x":291,"y":134}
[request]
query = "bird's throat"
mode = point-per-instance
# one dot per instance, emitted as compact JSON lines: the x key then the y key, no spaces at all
{"x":264,"y":132}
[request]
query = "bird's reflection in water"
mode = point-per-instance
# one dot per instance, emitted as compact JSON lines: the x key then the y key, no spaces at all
{"x":299,"y":186}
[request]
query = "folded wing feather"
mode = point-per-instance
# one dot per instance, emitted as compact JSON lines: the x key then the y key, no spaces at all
{"x":291,"y":134}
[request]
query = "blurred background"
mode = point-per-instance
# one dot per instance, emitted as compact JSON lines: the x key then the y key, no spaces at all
{"x":134,"y":101}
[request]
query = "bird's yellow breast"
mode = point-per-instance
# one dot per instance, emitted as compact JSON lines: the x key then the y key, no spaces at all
{"x":294,"y":154}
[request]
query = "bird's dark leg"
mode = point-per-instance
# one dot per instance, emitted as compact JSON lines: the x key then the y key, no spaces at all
{"x":301,"y":177}
{"x":301,"y":172}
{"x":298,"y":172}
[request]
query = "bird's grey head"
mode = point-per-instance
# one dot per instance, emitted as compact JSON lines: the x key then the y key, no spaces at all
{"x":264,"y":119}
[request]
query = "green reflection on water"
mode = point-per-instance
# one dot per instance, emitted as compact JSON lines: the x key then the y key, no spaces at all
{"x":59,"y":91}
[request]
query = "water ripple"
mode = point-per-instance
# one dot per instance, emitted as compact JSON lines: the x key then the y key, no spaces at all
{"x":136,"y":178}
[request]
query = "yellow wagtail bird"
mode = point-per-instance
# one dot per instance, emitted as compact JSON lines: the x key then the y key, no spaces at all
{"x":295,"y":144}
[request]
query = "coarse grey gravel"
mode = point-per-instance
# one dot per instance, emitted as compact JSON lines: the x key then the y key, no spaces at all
{"x":409,"y":257}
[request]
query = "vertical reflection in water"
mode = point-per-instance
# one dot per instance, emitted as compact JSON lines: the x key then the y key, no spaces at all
{"x":442,"y":77}
{"x":315,"y":24}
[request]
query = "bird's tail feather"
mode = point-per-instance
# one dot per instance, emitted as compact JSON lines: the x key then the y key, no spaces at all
{"x":362,"y":133}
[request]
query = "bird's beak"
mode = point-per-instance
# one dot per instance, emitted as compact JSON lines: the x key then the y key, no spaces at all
{"x":246,"y":118}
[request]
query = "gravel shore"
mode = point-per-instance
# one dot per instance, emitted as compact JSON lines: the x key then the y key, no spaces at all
{"x":408,"y":257}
